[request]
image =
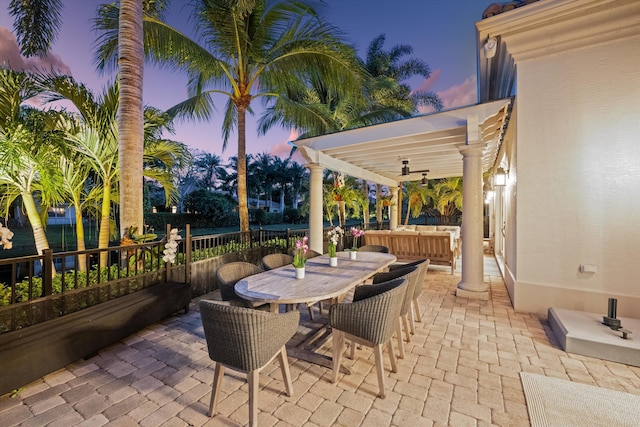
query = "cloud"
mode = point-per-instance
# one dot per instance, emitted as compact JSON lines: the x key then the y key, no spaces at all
{"x":10,"y":56}
{"x":283,"y":149}
{"x":460,"y":95}
{"x":427,"y":84}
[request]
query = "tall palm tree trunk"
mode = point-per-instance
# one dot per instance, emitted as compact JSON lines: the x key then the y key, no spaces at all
{"x":103,"y":237}
{"x":39,"y":235}
{"x":406,"y":218}
{"x":342,"y":212}
{"x":365,"y":207}
{"x":36,"y":225}
{"x":82,"y":259}
{"x":281,"y":200}
{"x":130,"y":114}
{"x":243,"y":210}
{"x":378,"y":203}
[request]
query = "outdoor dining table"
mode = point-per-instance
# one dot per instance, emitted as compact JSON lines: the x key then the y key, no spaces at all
{"x":321,"y":282}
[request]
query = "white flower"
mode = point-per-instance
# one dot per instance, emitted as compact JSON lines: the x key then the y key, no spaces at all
{"x":171,"y":247}
{"x":5,"y":237}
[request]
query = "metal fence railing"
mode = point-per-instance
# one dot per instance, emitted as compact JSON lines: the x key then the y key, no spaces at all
{"x":41,"y":287}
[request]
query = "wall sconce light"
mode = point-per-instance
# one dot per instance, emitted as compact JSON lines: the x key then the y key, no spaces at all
{"x":490,"y":47}
{"x":425,"y":181}
{"x":174,"y":209}
{"x":154,"y":209}
{"x":500,"y":178}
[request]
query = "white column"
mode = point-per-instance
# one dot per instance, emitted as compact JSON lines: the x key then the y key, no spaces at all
{"x":315,"y":207}
{"x":472,"y":284}
{"x":393,"y":217}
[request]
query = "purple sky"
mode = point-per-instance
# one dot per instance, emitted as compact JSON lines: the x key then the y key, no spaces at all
{"x":441,"y":32}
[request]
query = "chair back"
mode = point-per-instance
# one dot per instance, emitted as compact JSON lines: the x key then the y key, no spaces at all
{"x":243,"y":338}
{"x":412,"y":275}
{"x":271,"y":261}
{"x":381,"y":283}
{"x":423,"y":266}
{"x":373,"y":318}
{"x":229,"y":274}
{"x":374,"y":248}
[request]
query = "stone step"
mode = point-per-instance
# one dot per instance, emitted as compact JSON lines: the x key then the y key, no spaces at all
{"x":583,"y":333}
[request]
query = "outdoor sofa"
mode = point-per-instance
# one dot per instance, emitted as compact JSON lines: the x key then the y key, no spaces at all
{"x":440,"y":244}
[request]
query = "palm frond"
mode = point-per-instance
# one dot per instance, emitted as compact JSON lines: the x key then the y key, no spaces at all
{"x":36,"y":24}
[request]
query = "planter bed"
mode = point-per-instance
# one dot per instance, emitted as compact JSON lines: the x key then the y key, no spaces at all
{"x":32,"y":352}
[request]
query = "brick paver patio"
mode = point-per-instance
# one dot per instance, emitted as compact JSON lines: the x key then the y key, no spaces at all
{"x":461,"y":369}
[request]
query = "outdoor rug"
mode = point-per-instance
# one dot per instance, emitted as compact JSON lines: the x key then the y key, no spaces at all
{"x":556,"y":402}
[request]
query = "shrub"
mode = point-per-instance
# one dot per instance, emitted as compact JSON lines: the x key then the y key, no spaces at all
{"x":260,"y":216}
{"x":291,"y":215}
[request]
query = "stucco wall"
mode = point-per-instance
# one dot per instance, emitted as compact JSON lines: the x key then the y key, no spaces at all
{"x":578,"y":199}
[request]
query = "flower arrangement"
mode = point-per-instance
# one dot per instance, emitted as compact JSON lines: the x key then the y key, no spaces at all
{"x":355,"y":232}
{"x":171,"y":247}
{"x":334,"y":236}
{"x":299,"y":254}
{"x":5,"y":237}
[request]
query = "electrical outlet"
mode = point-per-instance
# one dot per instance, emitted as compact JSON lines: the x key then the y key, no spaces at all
{"x":588,"y":268}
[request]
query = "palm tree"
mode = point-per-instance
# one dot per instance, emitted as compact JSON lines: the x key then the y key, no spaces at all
{"x":264,"y":174}
{"x":388,"y":70}
{"x":281,"y":177}
{"x":26,"y":167}
{"x":95,"y":138}
{"x":211,"y":169}
{"x":37,"y":23}
{"x":448,"y":194}
{"x":130,"y":116}
{"x":345,"y":195}
{"x":247,"y":50}
{"x":417,"y":197}
{"x":319,"y":110}
{"x":298,"y":177}
{"x":76,"y":187}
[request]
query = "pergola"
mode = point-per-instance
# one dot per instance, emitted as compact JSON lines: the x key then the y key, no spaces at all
{"x":460,"y":142}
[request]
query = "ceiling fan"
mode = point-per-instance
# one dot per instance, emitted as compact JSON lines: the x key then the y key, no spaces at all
{"x":406,"y":171}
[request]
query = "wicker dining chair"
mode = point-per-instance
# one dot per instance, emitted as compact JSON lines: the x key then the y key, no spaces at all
{"x":271,"y":261}
{"x":246,"y":340}
{"x":369,"y":321}
{"x":423,"y":266}
{"x":411,"y":274}
{"x":230,"y":274}
{"x":374,"y":248}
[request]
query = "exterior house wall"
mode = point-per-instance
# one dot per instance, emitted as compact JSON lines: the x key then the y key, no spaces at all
{"x":574,"y":161}
{"x":578,"y":168}
{"x":506,"y":215}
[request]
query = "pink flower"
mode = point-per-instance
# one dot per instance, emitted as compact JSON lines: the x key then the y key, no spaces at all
{"x":299,"y":259}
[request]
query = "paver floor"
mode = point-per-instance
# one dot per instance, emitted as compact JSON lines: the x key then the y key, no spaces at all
{"x":461,"y":368}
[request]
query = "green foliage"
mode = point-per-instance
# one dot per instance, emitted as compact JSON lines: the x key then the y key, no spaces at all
{"x":216,"y":206}
{"x":27,"y":292}
{"x":36,"y":24}
{"x":260,"y":216}
{"x":291,"y":215}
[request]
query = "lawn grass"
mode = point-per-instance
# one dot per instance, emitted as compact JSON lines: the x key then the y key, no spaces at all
{"x":63,"y":237}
